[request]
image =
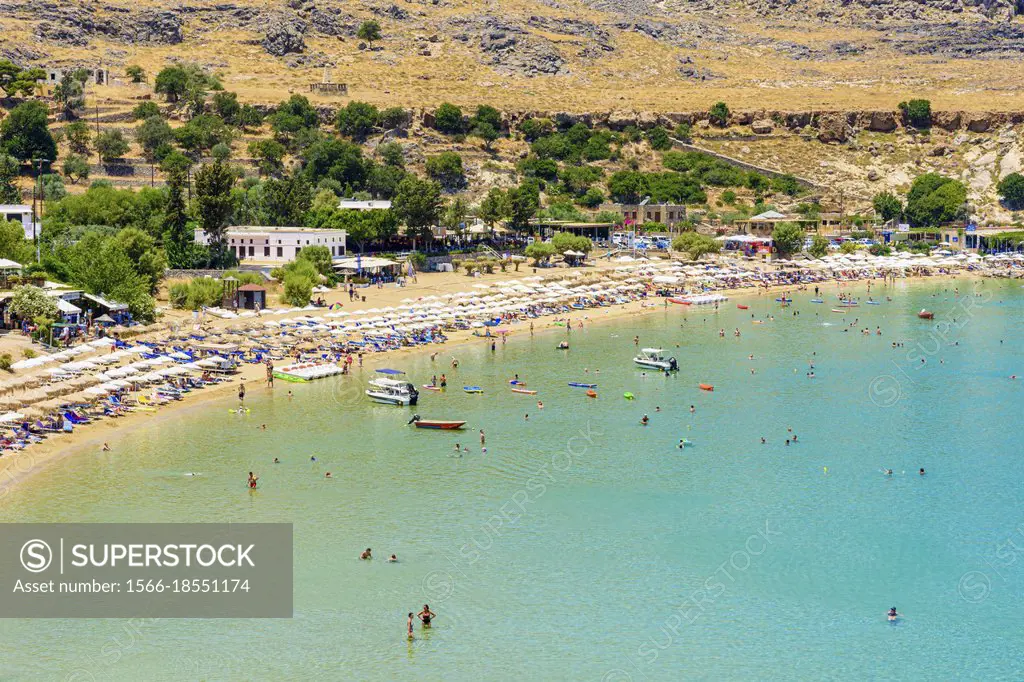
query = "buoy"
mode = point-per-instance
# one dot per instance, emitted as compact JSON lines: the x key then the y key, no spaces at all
{"x":706,"y":387}
{"x":627,"y":396}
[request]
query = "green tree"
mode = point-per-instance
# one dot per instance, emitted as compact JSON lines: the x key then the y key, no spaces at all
{"x":293,"y":116}
{"x":786,"y":184}
{"x":369,"y":31}
{"x":848,"y":248}
{"x":1011,"y":189}
{"x":695,"y":244}
{"x":494,"y":207}
{"x":76,"y":168}
{"x":202,"y":133}
{"x":319,"y":257}
{"x":52,"y":187}
{"x":608,"y":217}
{"x":24,"y":133}
{"x":172,"y":82}
{"x":70,"y":94}
{"x":151,"y":134}
{"x":453,"y":218}
{"x":918,"y":112}
{"x":249,"y":117}
{"x":592,"y":198}
{"x":627,"y":187}
{"x":144,"y":110}
{"x":148,"y":260}
{"x":213,"y":207}
{"x":13,"y":245}
{"x":819,"y":246}
{"x":110,"y":145}
{"x":719,"y":114}
{"x":175,"y":162}
{"x":535,"y":128}
{"x":788,"y":238}
{"x":658,"y":138}
{"x":226,"y":105}
{"x":9,"y":192}
{"x":100,"y":264}
{"x":448,"y":119}
{"x":176,"y":235}
{"x":78,"y":136}
{"x":887,"y":206}
{"x":17,"y":81}
{"x":539,"y":251}
{"x":446,"y":169}
{"x":935,"y":200}
{"x":523,"y":202}
{"x":221,"y":151}
{"x":391,"y":154}
{"x":417,"y":203}
{"x":394,"y":117}
{"x":286,"y":200}
{"x":136,"y":73}
{"x":30,"y":302}
{"x":357,"y":120}
{"x":269,"y":155}
{"x":486,"y":132}
{"x":684,"y":132}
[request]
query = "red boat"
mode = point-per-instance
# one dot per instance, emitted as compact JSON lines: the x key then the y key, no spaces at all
{"x":742,"y":307}
{"x":436,"y":424}
{"x":926,"y":314}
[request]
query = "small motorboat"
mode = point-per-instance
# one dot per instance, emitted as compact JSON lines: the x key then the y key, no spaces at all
{"x":653,"y":358}
{"x":524,"y":391}
{"x":392,"y":392}
{"x":576,"y":384}
{"x":442,"y":424}
{"x":742,"y":307}
{"x":472,"y":389}
{"x":926,"y":314}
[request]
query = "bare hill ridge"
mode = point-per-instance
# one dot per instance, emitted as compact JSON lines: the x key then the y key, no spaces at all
{"x":565,"y":55}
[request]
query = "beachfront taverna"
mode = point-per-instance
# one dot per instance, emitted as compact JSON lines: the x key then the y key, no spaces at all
{"x":277,"y":244}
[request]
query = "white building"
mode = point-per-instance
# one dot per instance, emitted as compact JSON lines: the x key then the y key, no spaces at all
{"x":353,"y":205}
{"x":277,"y":244}
{"x":21,"y":213}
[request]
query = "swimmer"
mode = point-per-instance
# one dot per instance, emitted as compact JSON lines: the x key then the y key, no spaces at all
{"x":682,"y":443}
{"x":392,"y":559}
{"x":787,"y":442}
{"x":327,"y":475}
{"x":409,"y":624}
{"x":526,"y":417}
{"x":888,"y":472}
{"x":483,"y":438}
{"x":763,"y":441}
{"x":312,"y":459}
{"x":644,"y":420}
{"x":892,"y":614}
{"x":368,"y":554}
{"x":277,"y":461}
{"x":540,"y":405}
{"x":692,"y":409}
{"x":252,"y":480}
{"x":458,"y":447}
{"x":657,"y":408}
{"x":263,"y":427}
{"x":920,"y":472}
{"x":426,"y":615}
{"x":105,"y":448}
{"x":289,"y":395}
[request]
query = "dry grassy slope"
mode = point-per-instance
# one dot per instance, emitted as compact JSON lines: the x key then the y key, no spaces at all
{"x":754,"y":55}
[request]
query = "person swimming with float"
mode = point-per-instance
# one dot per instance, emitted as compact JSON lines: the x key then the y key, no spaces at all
{"x":252,"y":480}
{"x":644,"y":420}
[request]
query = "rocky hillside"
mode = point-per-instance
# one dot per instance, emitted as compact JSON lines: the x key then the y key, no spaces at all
{"x":582,"y":55}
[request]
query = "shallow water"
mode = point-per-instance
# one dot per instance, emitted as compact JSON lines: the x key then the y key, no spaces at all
{"x":583,"y":545}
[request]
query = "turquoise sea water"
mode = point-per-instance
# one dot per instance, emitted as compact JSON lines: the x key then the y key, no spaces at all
{"x":583,"y":545}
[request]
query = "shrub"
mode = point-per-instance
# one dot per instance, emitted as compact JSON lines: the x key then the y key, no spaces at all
{"x":719,"y":114}
{"x":144,"y":110}
{"x":1011,"y":189}
{"x":918,"y":112}
{"x":658,"y":138}
{"x":448,"y":119}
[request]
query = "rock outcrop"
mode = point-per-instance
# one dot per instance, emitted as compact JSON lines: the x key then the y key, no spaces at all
{"x":284,"y":38}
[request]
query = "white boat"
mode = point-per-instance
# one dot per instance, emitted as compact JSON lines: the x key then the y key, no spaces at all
{"x":392,"y":392}
{"x":652,"y":357}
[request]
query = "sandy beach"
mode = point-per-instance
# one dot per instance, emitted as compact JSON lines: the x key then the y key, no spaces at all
{"x":18,"y":466}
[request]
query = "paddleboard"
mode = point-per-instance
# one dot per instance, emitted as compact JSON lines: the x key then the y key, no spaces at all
{"x":524,"y":391}
{"x":817,"y":300}
{"x":431,"y":387}
{"x":576,"y":384}
{"x":472,"y":389}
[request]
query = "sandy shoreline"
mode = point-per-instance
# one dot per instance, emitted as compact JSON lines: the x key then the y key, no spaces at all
{"x":17,"y":467}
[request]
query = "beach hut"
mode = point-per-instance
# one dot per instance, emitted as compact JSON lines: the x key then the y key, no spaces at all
{"x":252,"y":297}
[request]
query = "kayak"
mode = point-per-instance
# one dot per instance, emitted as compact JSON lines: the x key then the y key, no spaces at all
{"x":706,"y":387}
{"x":743,"y":307}
{"x":524,"y":391}
{"x":438,"y":424}
{"x":591,"y":393}
{"x":680,"y":301}
{"x":576,"y":384}
{"x":472,"y":389}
